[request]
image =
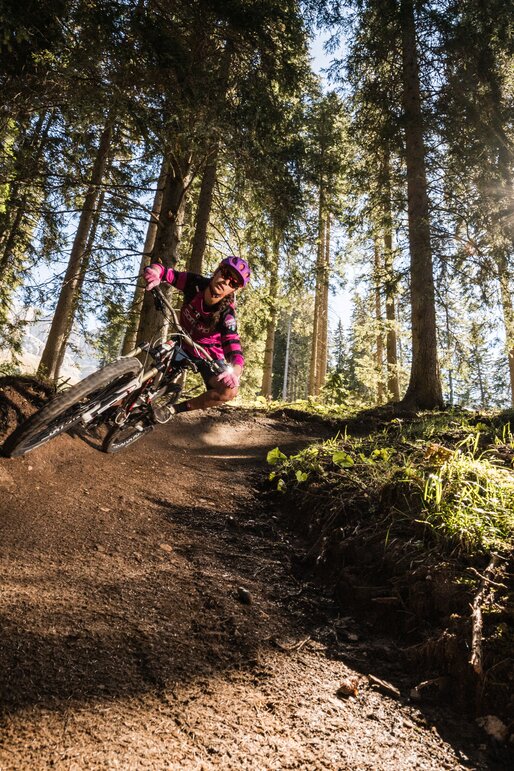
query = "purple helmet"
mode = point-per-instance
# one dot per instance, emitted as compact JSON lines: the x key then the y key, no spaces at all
{"x":240,"y":266}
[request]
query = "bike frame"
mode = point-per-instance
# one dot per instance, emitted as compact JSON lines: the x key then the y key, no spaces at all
{"x":180,"y":335}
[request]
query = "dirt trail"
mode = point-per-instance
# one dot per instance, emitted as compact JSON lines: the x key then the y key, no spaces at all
{"x":124,"y":642}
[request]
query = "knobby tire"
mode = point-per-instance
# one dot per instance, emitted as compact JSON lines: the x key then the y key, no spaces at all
{"x":65,"y":410}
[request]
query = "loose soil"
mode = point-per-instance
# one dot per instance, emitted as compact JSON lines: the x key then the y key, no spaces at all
{"x":154,"y":616}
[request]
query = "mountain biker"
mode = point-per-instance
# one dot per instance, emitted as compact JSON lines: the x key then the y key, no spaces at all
{"x":208,"y":316}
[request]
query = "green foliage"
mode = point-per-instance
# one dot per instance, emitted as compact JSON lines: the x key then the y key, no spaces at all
{"x":9,"y":368}
{"x":459,"y":492}
{"x":274,"y":456}
{"x":342,"y":459}
{"x":470,"y":501}
{"x":335,"y":389}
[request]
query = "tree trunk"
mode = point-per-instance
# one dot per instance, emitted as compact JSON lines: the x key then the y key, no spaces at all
{"x":379,"y":351}
{"x":129,"y":342}
{"x":204,"y":206}
{"x":203,"y":213}
{"x":483,"y":400}
{"x":450,"y":370}
{"x":393,"y":384}
{"x":20,"y":205}
{"x":505,"y":195}
{"x":82,"y":275}
{"x":508,"y":314}
{"x":313,"y":368}
{"x":63,"y":316}
{"x":313,"y":384}
{"x":286,"y":360}
{"x":266,"y":388}
{"x":323,"y":326}
{"x":167,"y":241}
{"x":424,"y":390}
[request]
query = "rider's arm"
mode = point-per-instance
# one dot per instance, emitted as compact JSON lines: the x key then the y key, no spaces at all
{"x":231,"y":342}
{"x":184,"y":281}
{"x":176,"y":278}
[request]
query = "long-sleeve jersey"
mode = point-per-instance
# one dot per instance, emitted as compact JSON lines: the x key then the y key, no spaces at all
{"x":223,"y":341}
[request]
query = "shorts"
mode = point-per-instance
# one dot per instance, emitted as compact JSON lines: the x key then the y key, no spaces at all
{"x":209,"y":368}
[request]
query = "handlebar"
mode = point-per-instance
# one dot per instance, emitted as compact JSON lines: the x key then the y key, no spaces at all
{"x":162,"y":304}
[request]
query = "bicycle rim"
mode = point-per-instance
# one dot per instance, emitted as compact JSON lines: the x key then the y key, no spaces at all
{"x":121,"y":437}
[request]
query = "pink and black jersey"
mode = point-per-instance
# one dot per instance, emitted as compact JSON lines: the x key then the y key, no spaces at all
{"x":223,"y":341}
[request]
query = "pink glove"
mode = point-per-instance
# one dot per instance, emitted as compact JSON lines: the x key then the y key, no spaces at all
{"x":153,"y":275}
{"x":229,"y":379}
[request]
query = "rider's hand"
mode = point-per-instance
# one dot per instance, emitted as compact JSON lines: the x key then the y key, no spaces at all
{"x":229,"y":379}
{"x":153,"y":275}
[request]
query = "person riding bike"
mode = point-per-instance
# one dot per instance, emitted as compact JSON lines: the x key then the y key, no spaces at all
{"x":208,"y":316}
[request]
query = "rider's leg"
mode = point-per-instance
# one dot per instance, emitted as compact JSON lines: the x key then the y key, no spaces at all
{"x":216,"y":394}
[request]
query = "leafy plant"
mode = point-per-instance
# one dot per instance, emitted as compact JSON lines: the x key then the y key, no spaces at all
{"x":454,"y":486}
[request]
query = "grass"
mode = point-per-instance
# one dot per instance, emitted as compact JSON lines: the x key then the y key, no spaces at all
{"x":310,"y":405}
{"x":448,"y":474}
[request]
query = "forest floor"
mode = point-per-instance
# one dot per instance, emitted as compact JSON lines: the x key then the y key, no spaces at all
{"x":154,"y":615}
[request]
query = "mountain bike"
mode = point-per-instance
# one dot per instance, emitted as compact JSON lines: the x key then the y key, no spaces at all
{"x":120,"y":395}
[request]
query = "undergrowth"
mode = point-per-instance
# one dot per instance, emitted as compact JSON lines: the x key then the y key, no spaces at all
{"x":449,"y":476}
{"x":311,"y":405}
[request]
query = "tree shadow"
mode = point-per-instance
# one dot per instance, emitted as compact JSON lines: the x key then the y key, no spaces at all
{"x":88,"y":633}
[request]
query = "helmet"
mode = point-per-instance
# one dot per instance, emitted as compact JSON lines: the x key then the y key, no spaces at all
{"x":240,"y":266}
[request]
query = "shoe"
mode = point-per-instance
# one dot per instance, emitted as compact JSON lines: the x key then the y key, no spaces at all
{"x":163,"y":413}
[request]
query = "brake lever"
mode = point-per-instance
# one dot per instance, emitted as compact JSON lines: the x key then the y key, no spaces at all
{"x":158,"y":302}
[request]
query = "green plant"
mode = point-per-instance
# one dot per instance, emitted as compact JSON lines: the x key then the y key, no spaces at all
{"x":454,"y":485}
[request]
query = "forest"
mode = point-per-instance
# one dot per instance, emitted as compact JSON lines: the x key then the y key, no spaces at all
{"x":138,"y":132}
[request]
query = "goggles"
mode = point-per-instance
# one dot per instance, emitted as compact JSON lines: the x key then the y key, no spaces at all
{"x":229,"y":278}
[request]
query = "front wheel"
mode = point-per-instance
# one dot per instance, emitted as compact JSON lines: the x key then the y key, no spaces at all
{"x":120,"y":437}
{"x":66,"y":409}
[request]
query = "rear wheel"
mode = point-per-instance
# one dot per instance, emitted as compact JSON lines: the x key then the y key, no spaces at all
{"x":66,"y":409}
{"x":120,"y":437}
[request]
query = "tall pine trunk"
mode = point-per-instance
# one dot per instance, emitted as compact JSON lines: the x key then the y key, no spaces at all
{"x":424,"y":390}
{"x":313,"y":383}
{"x":129,"y":341}
{"x":204,"y":206}
{"x":80,"y":284}
{"x":269,"y":349}
{"x":393,"y":384}
{"x":167,"y":241}
{"x":505,"y":241}
{"x":379,"y":350}
{"x":393,"y":381}
{"x":203,"y":213}
{"x":18,"y":204}
{"x":66,"y":304}
{"x":285,"y":385}
{"x":322,"y":359}
{"x":508,"y":314}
